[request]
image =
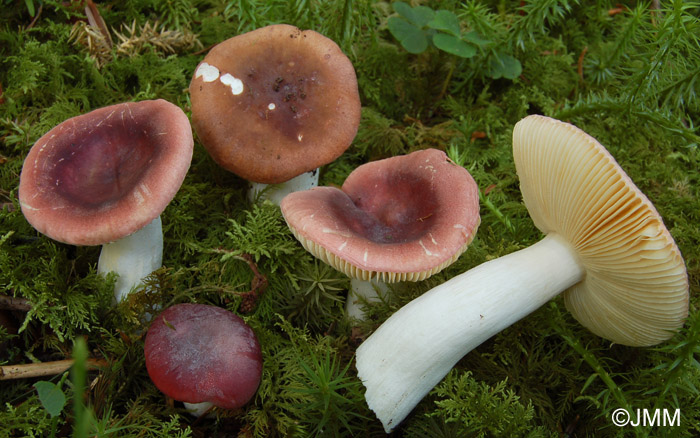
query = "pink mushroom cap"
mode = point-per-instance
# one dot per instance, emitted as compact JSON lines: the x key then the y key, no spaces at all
{"x":103,"y":175}
{"x":200,"y":353}
{"x":403,"y":218}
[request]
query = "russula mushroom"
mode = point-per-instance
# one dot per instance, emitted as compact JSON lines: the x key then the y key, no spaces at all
{"x":103,"y":178}
{"x":203,"y":355}
{"x":274,"y":104}
{"x":403,"y":218}
{"x":606,"y":248}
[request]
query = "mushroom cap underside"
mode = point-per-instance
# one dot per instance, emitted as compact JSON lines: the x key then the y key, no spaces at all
{"x":635,"y":289}
{"x":276,"y":102}
{"x":103,"y":175}
{"x":403,"y":218}
{"x":201,"y":353}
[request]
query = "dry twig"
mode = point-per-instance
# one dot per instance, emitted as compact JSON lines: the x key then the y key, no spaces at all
{"x":13,"y":303}
{"x":43,"y":369}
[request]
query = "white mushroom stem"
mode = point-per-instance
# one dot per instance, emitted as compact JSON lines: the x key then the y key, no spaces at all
{"x":418,"y":345}
{"x":360,"y":291}
{"x":133,"y":257}
{"x":276,"y":192}
{"x":198,"y":409}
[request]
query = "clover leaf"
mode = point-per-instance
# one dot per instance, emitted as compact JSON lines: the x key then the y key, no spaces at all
{"x":51,"y":397}
{"x":419,"y":15}
{"x":412,"y":38}
{"x":419,"y":27}
{"x":445,"y":21}
{"x":504,"y":66}
{"x":453,"y":45}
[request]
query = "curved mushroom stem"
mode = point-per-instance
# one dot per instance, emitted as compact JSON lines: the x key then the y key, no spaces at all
{"x":360,"y":290}
{"x":305,"y":181}
{"x":418,"y":345}
{"x":133,"y":257}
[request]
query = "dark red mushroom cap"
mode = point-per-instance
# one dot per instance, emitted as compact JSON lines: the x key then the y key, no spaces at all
{"x":100,"y":176}
{"x":200,"y":353}
{"x":404,"y":218}
{"x":274,"y":103}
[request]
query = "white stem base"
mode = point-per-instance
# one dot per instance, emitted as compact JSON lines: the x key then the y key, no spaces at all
{"x":418,"y":345}
{"x":133,"y":257}
{"x":198,"y":409}
{"x":305,"y":181}
{"x":363,"y":289}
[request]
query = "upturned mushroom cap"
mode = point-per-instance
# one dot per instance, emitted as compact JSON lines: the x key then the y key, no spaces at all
{"x":274,"y":103}
{"x":103,"y":175}
{"x":403,"y":218}
{"x":200,"y":353}
{"x":635,"y":289}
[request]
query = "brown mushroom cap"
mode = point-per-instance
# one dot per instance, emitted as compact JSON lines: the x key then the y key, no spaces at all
{"x":635,"y":289}
{"x":274,"y":103}
{"x":103,"y":175}
{"x":403,"y":218}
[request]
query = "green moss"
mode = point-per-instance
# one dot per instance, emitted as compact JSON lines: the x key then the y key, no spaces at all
{"x":630,"y":79}
{"x":467,"y":407}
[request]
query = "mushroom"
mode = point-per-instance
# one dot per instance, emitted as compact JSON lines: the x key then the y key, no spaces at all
{"x":274,"y":104}
{"x":606,"y":248}
{"x":103,"y":178}
{"x":203,"y":355}
{"x":403,"y":218}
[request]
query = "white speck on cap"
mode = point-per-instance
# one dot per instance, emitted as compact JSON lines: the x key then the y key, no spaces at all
{"x":233,"y":82}
{"x":207,"y":72}
{"x":427,"y":251}
{"x":271,"y":106}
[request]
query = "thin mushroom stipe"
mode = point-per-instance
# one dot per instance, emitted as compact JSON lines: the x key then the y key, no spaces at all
{"x":606,"y":249}
{"x":132,"y":258}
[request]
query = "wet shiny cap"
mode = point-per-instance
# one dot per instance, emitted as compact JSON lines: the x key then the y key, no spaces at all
{"x":201,"y":353}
